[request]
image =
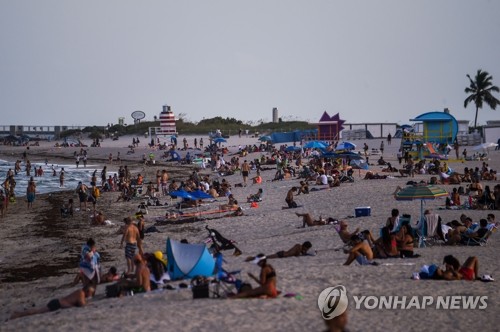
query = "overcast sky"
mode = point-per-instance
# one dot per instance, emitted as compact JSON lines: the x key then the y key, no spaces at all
{"x":91,"y":62}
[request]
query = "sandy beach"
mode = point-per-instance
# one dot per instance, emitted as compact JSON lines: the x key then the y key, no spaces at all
{"x":39,"y":253}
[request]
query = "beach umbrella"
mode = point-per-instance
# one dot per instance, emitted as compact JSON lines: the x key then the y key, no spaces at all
{"x":220,"y":140}
{"x":358,"y":164}
{"x":350,"y":155}
{"x":265,"y":138}
{"x":422,"y":193}
{"x":346,"y":146}
{"x":485,"y":146}
{"x":182,"y":194}
{"x":200,"y":194}
{"x":292,"y":148}
{"x":330,"y":155}
{"x":315,"y":145}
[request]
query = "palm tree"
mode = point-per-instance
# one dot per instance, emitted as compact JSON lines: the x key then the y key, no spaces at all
{"x":480,"y":90}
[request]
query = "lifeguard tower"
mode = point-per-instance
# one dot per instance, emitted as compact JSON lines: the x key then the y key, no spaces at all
{"x":439,"y":130}
{"x":329,"y":127}
{"x":167,"y":124}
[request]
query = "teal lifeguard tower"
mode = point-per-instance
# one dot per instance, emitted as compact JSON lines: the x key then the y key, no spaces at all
{"x":439,"y":130}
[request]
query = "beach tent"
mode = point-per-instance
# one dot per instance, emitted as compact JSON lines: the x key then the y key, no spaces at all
{"x":188,"y":260}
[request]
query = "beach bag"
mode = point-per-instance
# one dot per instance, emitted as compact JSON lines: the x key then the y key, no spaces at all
{"x":200,"y":288}
{"x":428,"y":271}
{"x":113,"y":290}
{"x":97,"y":192}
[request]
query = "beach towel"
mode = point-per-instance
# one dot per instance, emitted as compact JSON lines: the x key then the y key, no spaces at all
{"x":432,"y":223}
{"x":89,"y":263}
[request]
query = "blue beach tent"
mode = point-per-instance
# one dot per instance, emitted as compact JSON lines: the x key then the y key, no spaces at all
{"x":188,"y":260}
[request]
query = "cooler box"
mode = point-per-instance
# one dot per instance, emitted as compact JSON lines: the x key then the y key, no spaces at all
{"x":362,"y":211}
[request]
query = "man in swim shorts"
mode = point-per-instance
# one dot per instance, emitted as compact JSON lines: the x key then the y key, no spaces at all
{"x":295,"y":251}
{"x":132,"y":240}
{"x":361,"y":252}
{"x":76,"y":299}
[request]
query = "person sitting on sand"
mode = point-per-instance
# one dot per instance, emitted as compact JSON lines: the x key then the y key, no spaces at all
{"x":267,"y":281}
{"x":405,"y":242}
{"x":295,"y":251}
{"x":140,"y":282}
{"x":110,"y":276}
{"x":98,"y":219}
{"x":77,"y":298}
{"x":346,"y":236}
{"x":308,"y":220}
{"x":257,"y":179}
{"x":158,"y":269}
{"x":386,"y":245}
{"x":289,"y":198}
{"x":256,"y":197}
{"x":453,"y":271}
{"x":304,"y":188}
{"x":361,"y":252}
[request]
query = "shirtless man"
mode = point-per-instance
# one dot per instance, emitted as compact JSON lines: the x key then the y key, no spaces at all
{"x":295,"y":251}
{"x":76,"y":299}
{"x":245,"y":171}
{"x":30,"y":192}
{"x":132,"y":240}
{"x":308,"y":220}
{"x":346,"y":236}
{"x":140,"y":281}
{"x":361,"y":252}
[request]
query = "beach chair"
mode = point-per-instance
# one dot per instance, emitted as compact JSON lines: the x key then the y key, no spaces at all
{"x":432,"y":233}
{"x":478,"y":241}
{"x":226,"y":282}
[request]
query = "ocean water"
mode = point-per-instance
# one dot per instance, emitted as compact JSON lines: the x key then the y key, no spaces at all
{"x":48,"y":183}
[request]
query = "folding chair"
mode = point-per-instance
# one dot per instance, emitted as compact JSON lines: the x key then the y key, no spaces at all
{"x":432,"y":233}
{"x":478,"y":241}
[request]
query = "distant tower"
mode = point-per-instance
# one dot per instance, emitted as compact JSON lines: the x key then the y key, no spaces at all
{"x":275,"y":115}
{"x":167,"y":121}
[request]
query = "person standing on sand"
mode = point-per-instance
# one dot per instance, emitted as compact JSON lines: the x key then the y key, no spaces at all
{"x":103,"y":176}
{"x":245,"y":171}
{"x":30,"y":192}
{"x":132,"y":240}
{"x":201,"y":143}
{"x":382,"y":147}
{"x":77,"y":298}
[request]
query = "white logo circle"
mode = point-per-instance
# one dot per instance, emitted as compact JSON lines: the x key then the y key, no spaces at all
{"x":332,"y":301}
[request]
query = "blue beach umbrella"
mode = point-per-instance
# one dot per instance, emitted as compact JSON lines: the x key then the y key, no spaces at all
{"x":346,"y":146}
{"x":292,"y":148}
{"x":220,"y":140}
{"x":199,"y":194}
{"x":182,"y":194}
{"x":315,"y":145}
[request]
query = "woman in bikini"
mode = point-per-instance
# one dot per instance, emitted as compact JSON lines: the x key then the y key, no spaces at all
{"x":267,"y":281}
{"x":453,"y":271}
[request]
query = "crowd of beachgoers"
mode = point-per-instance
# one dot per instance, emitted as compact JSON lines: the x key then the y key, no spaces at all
{"x":267,"y":202}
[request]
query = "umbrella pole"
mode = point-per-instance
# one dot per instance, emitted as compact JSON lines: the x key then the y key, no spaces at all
{"x":422,"y":242}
